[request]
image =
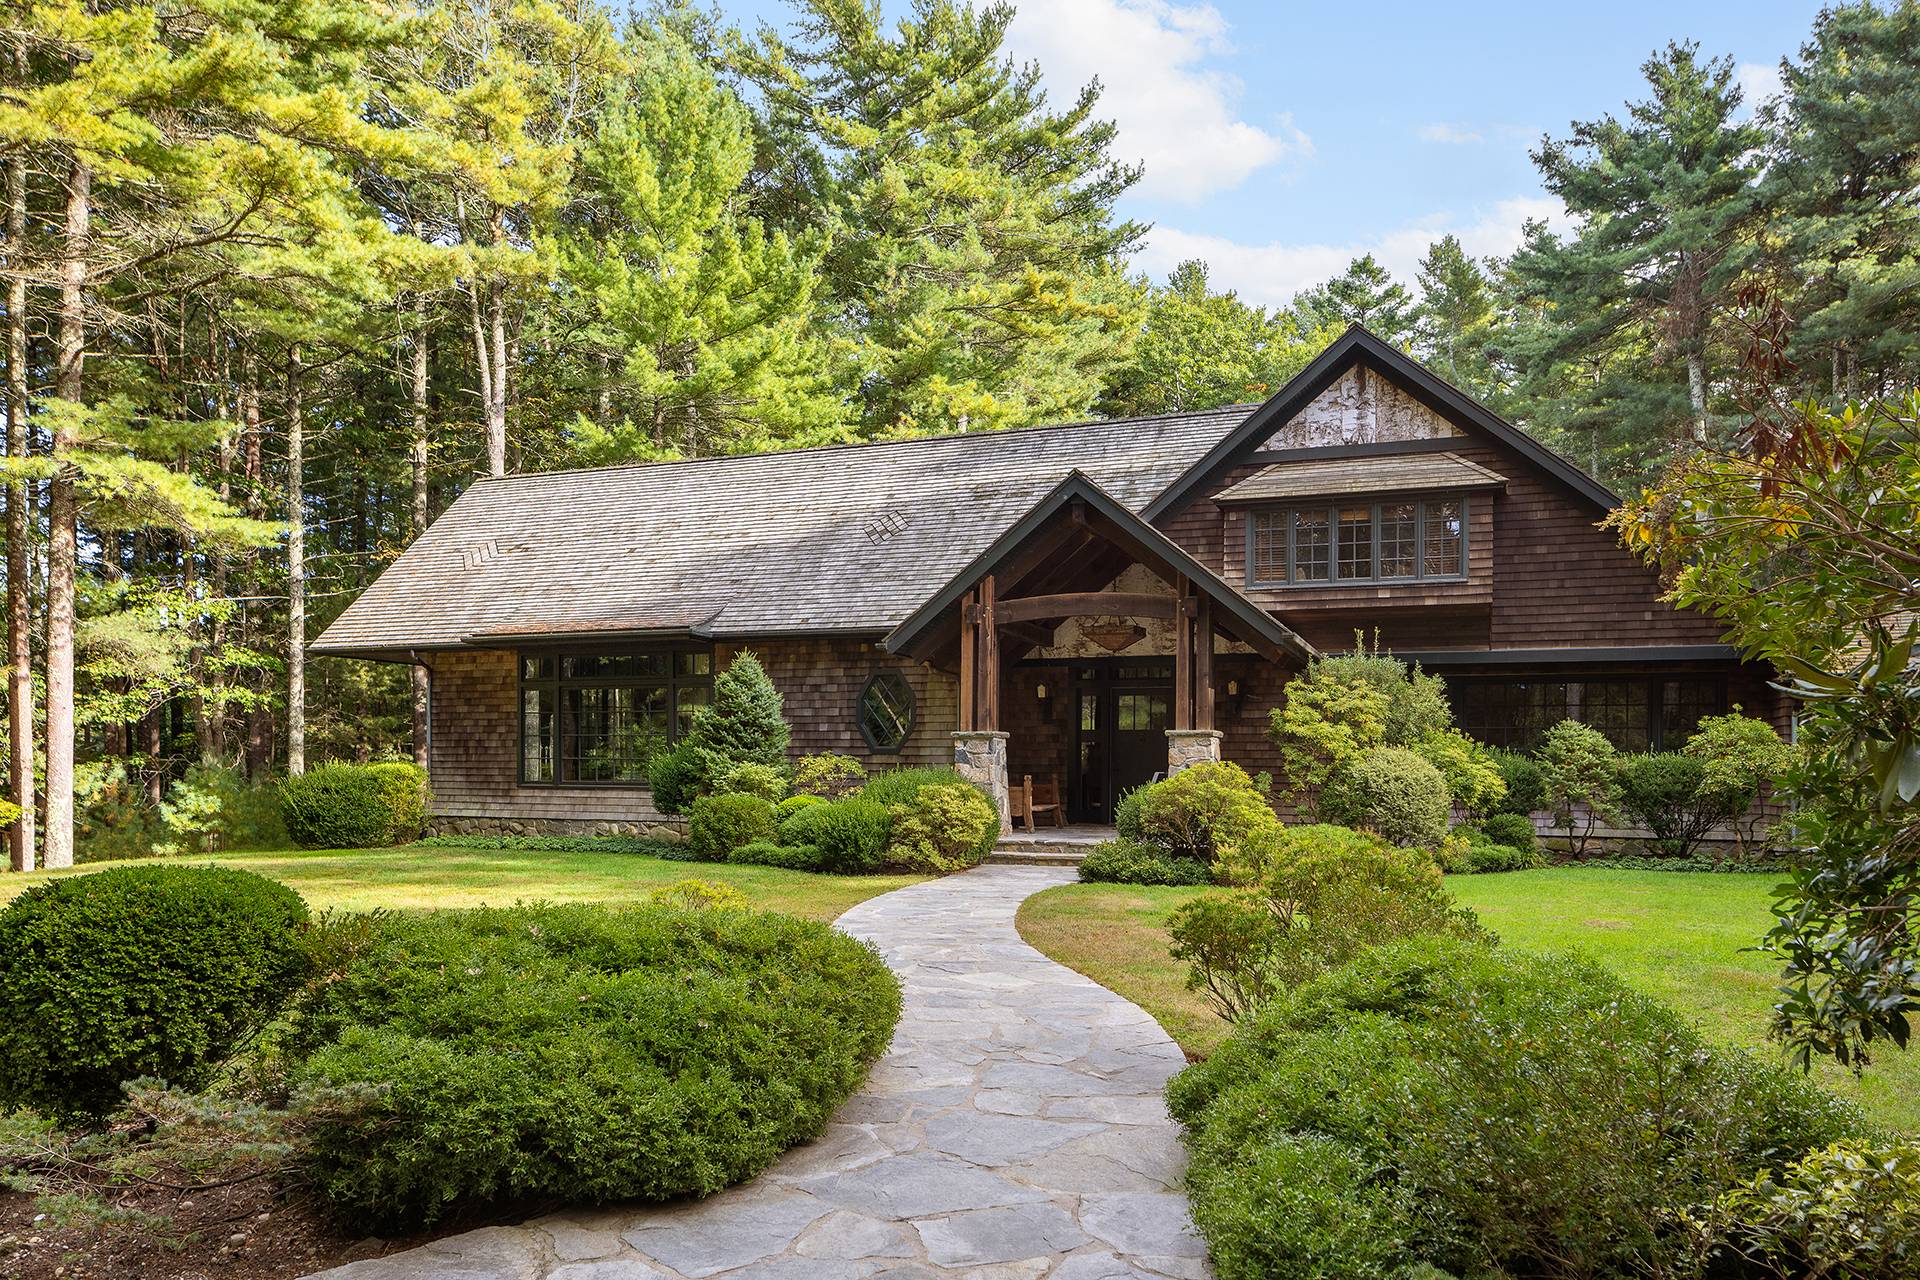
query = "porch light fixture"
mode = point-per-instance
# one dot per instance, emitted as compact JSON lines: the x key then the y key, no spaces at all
{"x":1040,"y":691}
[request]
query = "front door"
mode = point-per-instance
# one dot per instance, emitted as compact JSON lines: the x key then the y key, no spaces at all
{"x":1123,"y":712}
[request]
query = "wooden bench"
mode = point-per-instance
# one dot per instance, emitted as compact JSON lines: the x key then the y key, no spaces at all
{"x":1027,"y":798}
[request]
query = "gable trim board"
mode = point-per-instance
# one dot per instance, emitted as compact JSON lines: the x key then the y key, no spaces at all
{"x":1357,"y":344}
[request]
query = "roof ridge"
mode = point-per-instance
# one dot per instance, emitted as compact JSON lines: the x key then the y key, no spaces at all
{"x":851,"y":445}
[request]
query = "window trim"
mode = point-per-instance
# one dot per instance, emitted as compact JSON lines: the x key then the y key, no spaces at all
{"x":1287,"y":513}
{"x":913,"y":711}
{"x":559,"y":684}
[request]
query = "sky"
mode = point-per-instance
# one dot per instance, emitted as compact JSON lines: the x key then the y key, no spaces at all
{"x":1281,"y":140}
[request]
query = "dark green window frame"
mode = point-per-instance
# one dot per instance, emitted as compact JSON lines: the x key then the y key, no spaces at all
{"x":1280,"y":545}
{"x":1636,"y":713}
{"x":596,"y":717}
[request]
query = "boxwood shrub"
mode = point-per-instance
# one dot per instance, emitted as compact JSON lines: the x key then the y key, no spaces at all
{"x":1128,"y":862}
{"x":717,"y":825}
{"x":770,"y":853}
{"x":355,"y":806}
{"x":1514,"y":830}
{"x":1481,"y":1112}
{"x":139,"y":971}
{"x":578,"y":1054}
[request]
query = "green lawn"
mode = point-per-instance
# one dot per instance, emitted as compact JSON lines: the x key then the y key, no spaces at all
{"x":419,"y":878}
{"x":1677,"y":936}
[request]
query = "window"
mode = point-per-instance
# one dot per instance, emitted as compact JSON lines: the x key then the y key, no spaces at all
{"x":600,"y":718}
{"x":1635,"y":713}
{"x":1358,"y":542}
{"x":885,"y":711}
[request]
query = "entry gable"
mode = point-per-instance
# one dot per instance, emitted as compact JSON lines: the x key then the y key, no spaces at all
{"x":1363,"y":394}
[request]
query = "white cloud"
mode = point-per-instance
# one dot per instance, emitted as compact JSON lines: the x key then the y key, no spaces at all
{"x":1170,"y":109}
{"x":1451,"y":135}
{"x":1758,"y":81}
{"x":1271,"y":274}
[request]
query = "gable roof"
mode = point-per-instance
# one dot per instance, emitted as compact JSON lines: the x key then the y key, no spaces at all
{"x":1240,"y":614}
{"x":1358,"y":345}
{"x":1387,"y":473}
{"x":844,"y":539}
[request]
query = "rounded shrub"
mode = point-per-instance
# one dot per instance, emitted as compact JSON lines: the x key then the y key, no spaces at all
{"x":579,"y":1054}
{"x":1661,"y":791}
{"x":767,"y":781}
{"x":1526,"y":786}
{"x":1129,"y":862}
{"x":769,"y":853}
{"x":1511,"y":829}
{"x":677,"y":777}
{"x":945,"y":827}
{"x":1394,"y":792}
{"x":1206,"y":812}
{"x":794,"y":804}
{"x":851,"y":834}
{"x":720,"y":824}
{"x":355,"y":806}
{"x":139,"y":971}
{"x":1126,"y":812}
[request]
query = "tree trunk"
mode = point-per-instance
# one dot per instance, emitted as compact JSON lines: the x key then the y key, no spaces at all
{"x":296,"y":575}
{"x":419,"y":406}
{"x":1697,"y":394}
{"x":19,"y":520}
{"x":62,"y":522}
{"x":497,"y":405}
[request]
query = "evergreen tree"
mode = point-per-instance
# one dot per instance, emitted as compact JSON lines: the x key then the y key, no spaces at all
{"x":1364,"y":294}
{"x":975,"y":277}
{"x":1453,"y":323}
{"x":1664,"y":200}
{"x":743,"y":723}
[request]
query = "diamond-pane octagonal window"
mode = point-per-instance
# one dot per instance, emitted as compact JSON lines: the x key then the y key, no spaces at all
{"x":886,"y":711}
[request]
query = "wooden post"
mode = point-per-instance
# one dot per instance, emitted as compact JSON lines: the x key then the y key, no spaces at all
{"x":968,"y":686}
{"x":989,"y":657}
{"x":1203,"y":666}
{"x":1182,"y":658}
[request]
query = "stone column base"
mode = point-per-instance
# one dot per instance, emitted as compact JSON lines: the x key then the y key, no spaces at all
{"x":1188,"y":747}
{"x":980,"y":756}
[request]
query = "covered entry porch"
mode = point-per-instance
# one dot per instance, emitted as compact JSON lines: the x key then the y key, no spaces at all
{"x":1090,"y":649}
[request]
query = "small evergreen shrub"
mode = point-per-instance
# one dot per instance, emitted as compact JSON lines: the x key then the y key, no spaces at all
{"x":770,"y":853}
{"x":1126,"y":813}
{"x":828,"y":775}
{"x":1661,"y":791}
{"x":720,"y":824}
{"x":794,"y":804}
{"x":355,"y":806}
{"x":1579,"y":776}
{"x":851,"y":834}
{"x":769,"y":782}
{"x":1484,"y":858}
{"x":1511,"y":829}
{"x":1391,"y":791}
{"x":578,"y":1054}
{"x":743,"y":724}
{"x":945,"y":827}
{"x":899,"y":786}
{"x":1742,"y":760}
{"x":139,"y":971}
{"x":1479,"y":1112}
{"x":1128,"y":862}
{"x":678,"y":777}
{"x":1526,"y":789}
{"x":1205,"y":812}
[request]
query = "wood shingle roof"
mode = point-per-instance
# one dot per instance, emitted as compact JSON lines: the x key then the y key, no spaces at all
{"x":849,"y":539}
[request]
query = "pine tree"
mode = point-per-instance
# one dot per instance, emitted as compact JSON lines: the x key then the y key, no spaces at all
{"x":1365,"y":294}
{"x":975,"y":276}
{"x":1453,"y":323}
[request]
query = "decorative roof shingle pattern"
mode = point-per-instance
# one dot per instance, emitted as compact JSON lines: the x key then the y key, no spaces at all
{"x":1394,"y":473}
{"x":846,"y":539}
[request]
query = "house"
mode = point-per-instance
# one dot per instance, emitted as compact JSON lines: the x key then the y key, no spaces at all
{"x":1098,"y":602}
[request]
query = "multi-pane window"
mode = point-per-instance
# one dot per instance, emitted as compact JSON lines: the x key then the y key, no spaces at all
{"x":600,"y":718}
{"x":886,"y":711}
{"x":1635,"y":713}
{"x":1358,"y":542}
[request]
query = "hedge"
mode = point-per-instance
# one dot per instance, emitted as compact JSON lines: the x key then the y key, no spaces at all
{"x":355,"y":806}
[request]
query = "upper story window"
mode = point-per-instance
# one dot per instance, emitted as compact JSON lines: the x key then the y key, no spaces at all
{"x":1357,"y":542}
{"x":600,"y":718}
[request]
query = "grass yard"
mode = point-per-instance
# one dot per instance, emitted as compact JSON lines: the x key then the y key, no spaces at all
{"x":414,"y":878}
{"x":1676,"y":936}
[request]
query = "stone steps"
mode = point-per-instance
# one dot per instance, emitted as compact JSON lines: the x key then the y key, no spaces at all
{"x":1038,"y":857}
{"x":1049,"y":847}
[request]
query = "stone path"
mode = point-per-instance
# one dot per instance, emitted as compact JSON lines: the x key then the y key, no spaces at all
{"x":1015,"y":1131}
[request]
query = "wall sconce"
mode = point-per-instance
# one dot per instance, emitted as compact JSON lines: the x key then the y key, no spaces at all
{"x":1046,"y":703}
{"x":1233,"y":698}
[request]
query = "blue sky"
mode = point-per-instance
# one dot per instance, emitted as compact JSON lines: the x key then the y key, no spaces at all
{"x":1282,"y":139}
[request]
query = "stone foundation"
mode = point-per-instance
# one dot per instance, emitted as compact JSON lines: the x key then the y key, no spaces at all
{"x":669,"y":829}
{"x":980,"y":756}
{"x":1188,"y":747}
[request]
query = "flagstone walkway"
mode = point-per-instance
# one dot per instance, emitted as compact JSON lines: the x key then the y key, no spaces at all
{"x":1015,"y":1131}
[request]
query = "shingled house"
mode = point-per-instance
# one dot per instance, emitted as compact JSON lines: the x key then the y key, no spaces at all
{"x":1097,"y":602}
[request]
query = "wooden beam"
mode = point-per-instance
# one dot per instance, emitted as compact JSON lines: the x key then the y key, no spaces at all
{"x":1026,"y":634}
{"x":1182,"y":659}
{"x":1080,"y":604}
{"x":1203,"y":666}
{"x":1038,"y":550}
{"x":989,"y":655}
{"x":968,"y":627}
